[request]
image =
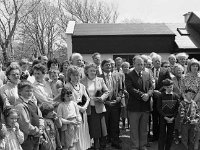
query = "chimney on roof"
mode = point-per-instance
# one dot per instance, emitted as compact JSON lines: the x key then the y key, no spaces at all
{"x":187,"y":16}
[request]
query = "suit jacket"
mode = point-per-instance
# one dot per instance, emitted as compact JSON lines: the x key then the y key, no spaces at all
{"x":162,"y":76}
{"x":116,"y":84}
{"x":100,"y":86}
{"x":136,"y":90}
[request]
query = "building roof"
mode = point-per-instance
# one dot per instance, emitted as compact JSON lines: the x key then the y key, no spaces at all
{"x":182,"y":41}
{"x":121,"y":29}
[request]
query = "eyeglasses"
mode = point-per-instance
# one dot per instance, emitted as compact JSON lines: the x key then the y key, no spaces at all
{"x":15,"y":74}
{"x":166,"y":66}
{"x":68,"y":93}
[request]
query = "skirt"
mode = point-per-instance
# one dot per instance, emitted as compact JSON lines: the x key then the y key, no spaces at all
{"x":97,"y":124}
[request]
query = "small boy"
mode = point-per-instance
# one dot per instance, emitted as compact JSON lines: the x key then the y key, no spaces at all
{"x":52,"y":123}
{"x":167,"y":105}
{"x":30,"y":121}
{"x":189,"y":114}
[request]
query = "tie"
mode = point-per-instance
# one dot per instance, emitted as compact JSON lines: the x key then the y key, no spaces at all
{"x":140,"y":81}
{"x":109,"y":84}
{"x":157,"y":73}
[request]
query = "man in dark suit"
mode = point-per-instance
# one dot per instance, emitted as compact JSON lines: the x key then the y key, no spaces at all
{"x":112,"y":103}
{"x":139,"y":84}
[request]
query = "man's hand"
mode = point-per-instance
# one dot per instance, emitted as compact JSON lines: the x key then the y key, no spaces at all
{"x":145,"y":97}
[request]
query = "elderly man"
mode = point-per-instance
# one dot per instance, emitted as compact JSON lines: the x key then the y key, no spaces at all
{"x":97,"y":60}
{"x":77,"y":60}
{"x":140,"y":88}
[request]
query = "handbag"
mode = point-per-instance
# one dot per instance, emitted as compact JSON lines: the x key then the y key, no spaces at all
{"x":98,"y":93}
{"x":83,"y":101}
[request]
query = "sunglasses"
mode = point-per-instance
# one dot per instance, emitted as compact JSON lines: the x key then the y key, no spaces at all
{"x":166,"y":66}
{"x":68,"y":93}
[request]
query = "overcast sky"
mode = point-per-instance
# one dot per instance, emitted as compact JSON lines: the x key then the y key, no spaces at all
{"x":168,"y":11}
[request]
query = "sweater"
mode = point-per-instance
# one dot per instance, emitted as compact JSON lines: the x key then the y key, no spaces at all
{"x":168,"y":104}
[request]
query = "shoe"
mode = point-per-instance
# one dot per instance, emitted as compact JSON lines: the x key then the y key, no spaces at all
{"x":116,"y":145}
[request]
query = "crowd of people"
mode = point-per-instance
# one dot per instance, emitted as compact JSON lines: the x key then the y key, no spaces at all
{"x":78,"y":105}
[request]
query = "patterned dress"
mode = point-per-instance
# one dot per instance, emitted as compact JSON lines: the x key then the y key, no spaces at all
{"x":84,"y":137}
{"x":190,"y":81}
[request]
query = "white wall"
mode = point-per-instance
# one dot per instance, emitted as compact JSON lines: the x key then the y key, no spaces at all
{"x":88,"y":57}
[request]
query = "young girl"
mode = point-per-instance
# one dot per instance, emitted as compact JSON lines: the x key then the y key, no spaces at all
{"x":11,"y":135}
{"x":189,"y":113}
{"x":69,"y":113}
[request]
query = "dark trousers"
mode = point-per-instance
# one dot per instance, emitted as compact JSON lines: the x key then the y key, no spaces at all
{"x":188,"y":136}
{"x":112,"y":116}
{"x":155,"y":124}
{"x":166,"y":134}
{"x":155,"y":118}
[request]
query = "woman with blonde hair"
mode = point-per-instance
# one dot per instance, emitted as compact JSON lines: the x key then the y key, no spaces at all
{"x":98,"y":93}
{"x":192,"y":81}
{"x":82,"y":99}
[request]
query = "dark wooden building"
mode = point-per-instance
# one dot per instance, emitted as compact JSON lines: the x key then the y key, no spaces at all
{"x":127,"y":40}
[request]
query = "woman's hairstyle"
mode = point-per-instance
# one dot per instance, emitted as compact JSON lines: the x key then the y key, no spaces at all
{"x":13,"y":66}
{"x":179,"y":55}
{"x":61,"y":67}
{"x":46,"y":108}
{"x":171,"y":55}
{"x":192,"y":62}
{"x":64,"y":91}
{"x":177,"y":66}
{"x":72,"y":70}
{"x":52,"y":61}
{"x":125,"y":63}
{"x":9,"y":110}
{"x":92,"y":65}
{"x":24,"y":84}
{"x":39,"y":67}
{"x":23,"y":62}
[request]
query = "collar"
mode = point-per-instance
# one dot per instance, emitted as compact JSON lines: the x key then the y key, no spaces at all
{"x":168,"y":93}
{"x":24,"y":99}
{"x":138,"y":72}
{"x":93,"y":80}
{"x":187,"y":100}
{"x":107,"y":74}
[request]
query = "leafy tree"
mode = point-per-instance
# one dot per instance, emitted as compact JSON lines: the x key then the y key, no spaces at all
{"x":11,"y":13}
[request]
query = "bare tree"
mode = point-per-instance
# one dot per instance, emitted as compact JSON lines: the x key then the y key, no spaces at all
{"x":40,"y":27}
{"x":87,"y":11}
{"x":11,"y":13}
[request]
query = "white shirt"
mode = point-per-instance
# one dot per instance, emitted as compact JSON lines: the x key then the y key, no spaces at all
{"x":91,"y":90}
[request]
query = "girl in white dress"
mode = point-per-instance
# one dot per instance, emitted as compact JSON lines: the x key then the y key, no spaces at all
{"x":82,"y":99}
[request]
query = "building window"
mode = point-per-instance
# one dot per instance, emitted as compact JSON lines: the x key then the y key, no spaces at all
{"x":182,"y":31}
